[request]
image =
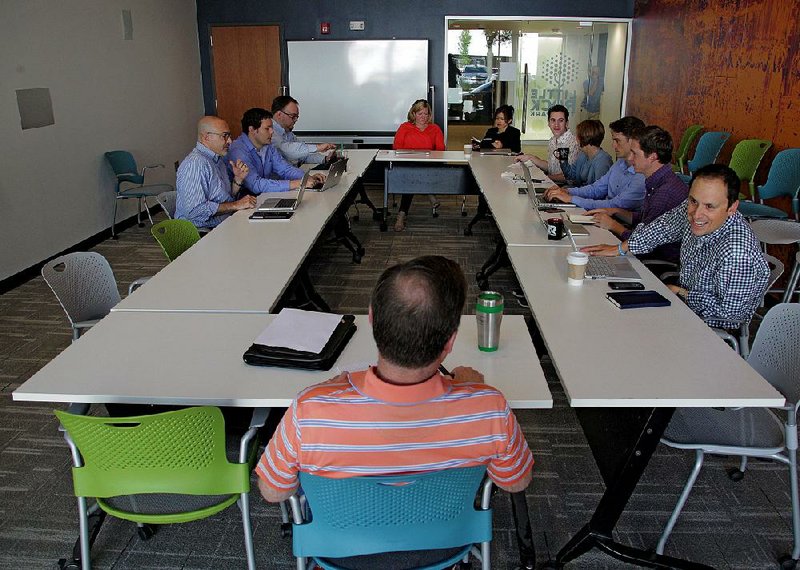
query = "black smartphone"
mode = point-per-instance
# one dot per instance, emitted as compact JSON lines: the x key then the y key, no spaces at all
{"x":522,"y":190}
{"x":550,"y":210}
{"x":625,"y":285}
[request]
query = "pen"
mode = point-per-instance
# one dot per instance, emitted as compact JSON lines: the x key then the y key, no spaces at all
{"x":443,"y":370}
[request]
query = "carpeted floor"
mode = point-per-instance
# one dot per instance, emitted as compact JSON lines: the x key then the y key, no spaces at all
{"x":725,"y":524}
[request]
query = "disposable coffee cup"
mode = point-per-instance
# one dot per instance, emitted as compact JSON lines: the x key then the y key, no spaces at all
{"x":467,"y":149}
{"x":555,"y":228}
{"x":576,"y":267}
{"x":489,"y":314}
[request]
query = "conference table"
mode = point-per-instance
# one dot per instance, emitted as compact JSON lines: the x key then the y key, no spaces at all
{"x":623,"y":371}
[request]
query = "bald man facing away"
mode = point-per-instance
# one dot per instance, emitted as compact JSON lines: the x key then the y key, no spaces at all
{"x":206,"y":193}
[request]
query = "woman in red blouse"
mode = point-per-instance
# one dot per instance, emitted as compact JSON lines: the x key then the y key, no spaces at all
{"x":418,"y":133}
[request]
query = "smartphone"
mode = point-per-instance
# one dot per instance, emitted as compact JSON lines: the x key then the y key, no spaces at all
{"x":522,"y":190}
{"x":264,"y":216}
{"x":551,"y":210}
{"x":625,"y":285}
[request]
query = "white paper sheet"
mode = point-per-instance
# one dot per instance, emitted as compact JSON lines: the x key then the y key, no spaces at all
{"x":299,"y":330}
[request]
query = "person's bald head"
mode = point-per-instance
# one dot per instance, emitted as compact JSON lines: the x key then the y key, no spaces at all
{"x":214,"y":133}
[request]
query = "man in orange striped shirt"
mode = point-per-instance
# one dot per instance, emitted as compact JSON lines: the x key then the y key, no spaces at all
{"x":402,"y":415}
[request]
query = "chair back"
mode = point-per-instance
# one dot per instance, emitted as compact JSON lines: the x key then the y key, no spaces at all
{"x":124,"y":167}
{"x":180,"y":452}
{"x":83,"y":283}
{"x":369,"y":515}
{"x":746,"y":157}
{"x":784,"y":177}
{"x":708,"y":148}
{"x":776,"y":350}
{"x":168,"y":201}
{"x":175,"y":236}
{"x":776,"y":232}
{"x":687,"y":139}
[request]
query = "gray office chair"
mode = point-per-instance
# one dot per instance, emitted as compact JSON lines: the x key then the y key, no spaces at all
{"x":791,"y":285}
{"x":779,"y":232}
{"x":85,"y":286}
{"x":750,"y":432}
{"x":167,"y":201}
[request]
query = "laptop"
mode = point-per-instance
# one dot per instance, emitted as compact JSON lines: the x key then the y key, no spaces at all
{"x":334,"y":175}
{"x":575,"y":229}
{"x":526,"y":174}
{"x":286,"y":204}
{"x":611,"y":268}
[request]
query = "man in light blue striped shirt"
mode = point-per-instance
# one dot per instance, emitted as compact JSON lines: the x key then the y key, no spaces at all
{"x":206,"y":193}
{"x":286,"y":112}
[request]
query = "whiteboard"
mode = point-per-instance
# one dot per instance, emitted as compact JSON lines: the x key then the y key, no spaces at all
{"x":356,"y":87}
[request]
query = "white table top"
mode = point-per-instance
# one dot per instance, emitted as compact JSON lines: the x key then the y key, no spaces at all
{"x":516,"y":220}
{"x":196,"y":359}
{"x":607,"y":357}
{"x":453,"y":156}
{"x":244,"y":266}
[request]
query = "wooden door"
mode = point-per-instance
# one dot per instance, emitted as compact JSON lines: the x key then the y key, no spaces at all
{"x":247,"y":70}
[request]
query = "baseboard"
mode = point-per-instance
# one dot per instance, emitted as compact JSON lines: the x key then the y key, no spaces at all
{"x":26,"y":275}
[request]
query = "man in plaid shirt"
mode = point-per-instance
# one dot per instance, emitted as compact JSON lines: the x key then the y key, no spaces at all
{"x":723,"y":273}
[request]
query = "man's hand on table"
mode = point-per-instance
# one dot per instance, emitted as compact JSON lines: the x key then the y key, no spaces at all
{"x":466,"y":374}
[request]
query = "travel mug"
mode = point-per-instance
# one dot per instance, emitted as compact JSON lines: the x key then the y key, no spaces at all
{"x":489,"y":314}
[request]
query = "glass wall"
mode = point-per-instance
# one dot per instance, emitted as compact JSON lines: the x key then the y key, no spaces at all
{"x":533,"y":64}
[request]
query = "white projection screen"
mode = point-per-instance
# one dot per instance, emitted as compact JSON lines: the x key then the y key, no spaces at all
{"x":357,"y":88}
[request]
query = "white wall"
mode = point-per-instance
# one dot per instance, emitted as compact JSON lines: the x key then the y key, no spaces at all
{"x":143,"y":95}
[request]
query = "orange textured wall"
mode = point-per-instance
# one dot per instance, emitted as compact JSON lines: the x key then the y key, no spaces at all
{"x":730,"y":65}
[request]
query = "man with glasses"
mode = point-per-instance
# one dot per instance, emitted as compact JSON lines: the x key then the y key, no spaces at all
{"x":207,"y":190}
{"x":269,"y":171}
{"x":286,"y":112}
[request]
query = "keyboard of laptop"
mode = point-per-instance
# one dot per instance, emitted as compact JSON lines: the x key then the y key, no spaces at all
{"x":600,"y":267}
{"x":284,"y":203}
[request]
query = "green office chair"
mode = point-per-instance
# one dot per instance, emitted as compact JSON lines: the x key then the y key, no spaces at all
{"x":783,"y":180}
{"x":124,"y":167}
{"x":135,"y":466}
{"x":682,"y":152}
{"x":745,"y":159}
{"x":401,"y":513}
{"x":175,"y":236}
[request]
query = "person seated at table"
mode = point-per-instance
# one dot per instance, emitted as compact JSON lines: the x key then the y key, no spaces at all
{"x":502,"y":134}
{"x":723,"y":273}
{"x":620,"y":187}
{"x":269,"y":171}
{"x":413,"y":411}
{"x":651,"y":154}
{"x":562,"y":144}
{"x":207,"y":192}
{"x":285,"y":113}
{"x":419,"y":132}
{"x":593,"y":162}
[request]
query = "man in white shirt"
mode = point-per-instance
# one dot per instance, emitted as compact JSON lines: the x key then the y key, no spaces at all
{"x":286,"y":112}
{"x":562,"y":143}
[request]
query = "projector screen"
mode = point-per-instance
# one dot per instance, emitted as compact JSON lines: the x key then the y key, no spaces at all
{"x":358,"y":88}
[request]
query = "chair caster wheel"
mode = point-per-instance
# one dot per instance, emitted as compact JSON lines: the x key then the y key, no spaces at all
{"x":354,"y":218}
{"x":72,"y":564}
{"x":467,"y":231}
{"x":463,"y":213}
{"x":735,"y":475}
{"x":787,"y":562}
{"x":286,"y":530}
{"x":146,"y":531}
{"x":356,"y":258}
{"x":435,"y":214}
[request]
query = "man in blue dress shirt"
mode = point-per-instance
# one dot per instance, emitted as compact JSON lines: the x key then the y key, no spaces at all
{"x":285,"y":113}
{"x":269,"y":171}
{"x":207,"y":190}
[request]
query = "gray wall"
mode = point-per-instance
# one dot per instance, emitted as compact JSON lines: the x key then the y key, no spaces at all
{"x":142,"y":95}
{"x":385,"y":19}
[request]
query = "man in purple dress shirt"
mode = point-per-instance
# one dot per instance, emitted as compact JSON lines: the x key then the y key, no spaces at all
{"x":651,"y":154}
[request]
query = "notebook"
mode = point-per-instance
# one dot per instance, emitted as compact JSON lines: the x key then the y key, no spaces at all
{"x":286,"y":204}
{"x":271,"y":216}
{"x":637,"y":299}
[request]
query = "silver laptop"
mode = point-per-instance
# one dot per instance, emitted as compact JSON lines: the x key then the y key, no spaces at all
{"x":335,"y":174}
{"x":611,"y":268}
{"x":575,"y":229}
{"x":526,"y":174}
{"x":286,"y":204}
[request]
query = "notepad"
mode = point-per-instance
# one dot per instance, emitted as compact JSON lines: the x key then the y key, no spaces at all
{"x":637,"y":299}
{"x":308,"y":331}
{"x":581,"y":219}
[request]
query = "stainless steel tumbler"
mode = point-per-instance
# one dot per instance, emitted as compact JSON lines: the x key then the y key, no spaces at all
{"x":489,"y":314}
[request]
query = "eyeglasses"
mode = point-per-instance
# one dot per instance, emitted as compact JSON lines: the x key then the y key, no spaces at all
{"x":226,"y":136}
{"x":292,"y":116}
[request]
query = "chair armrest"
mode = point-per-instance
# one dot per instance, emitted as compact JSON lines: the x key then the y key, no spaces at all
{"x":136,"y":284}
{"x":727,"y":337}
{"x":258,"y":419}
{"x":296,"y":507}
{"x":151,"y":166}
{"x":486,"y":494}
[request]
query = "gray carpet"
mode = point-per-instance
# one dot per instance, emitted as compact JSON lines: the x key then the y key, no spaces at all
{"x":725,"y":524}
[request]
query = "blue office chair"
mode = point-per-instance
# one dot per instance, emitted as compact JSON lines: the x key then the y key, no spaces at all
{"x":783,"y":180}
{"x":401,"y":513}
{"x":706,"y":153}
{"x":124,"y":167}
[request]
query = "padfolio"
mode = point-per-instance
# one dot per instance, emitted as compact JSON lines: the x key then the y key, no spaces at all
{"x":261,"y":355}
{"x":637,"y":299}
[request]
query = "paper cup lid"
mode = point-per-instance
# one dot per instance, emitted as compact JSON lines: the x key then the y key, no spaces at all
{"x":578,"y":258}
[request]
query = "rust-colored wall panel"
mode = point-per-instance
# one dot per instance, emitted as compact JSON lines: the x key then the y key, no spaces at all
{"x":730,"y":65}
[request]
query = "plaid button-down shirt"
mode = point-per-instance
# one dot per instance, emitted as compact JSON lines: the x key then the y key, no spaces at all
{"x":724,"y":272}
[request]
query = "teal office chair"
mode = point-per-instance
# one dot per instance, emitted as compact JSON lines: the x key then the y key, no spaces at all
{"x":157,"y":469}
{"x":124,"y":167}
{"x":401,"y":513}
{"x":707,"y":151}
{"x":746,"y":157}
{"x":682,"y":152}
{"x":750,"y":432}
{"x":175,"y":236}
{"x":783,"y":180}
